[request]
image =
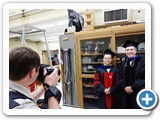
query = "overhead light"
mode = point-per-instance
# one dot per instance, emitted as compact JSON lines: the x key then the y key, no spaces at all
{"x":14,"y":35}
{"x":33,"y":29}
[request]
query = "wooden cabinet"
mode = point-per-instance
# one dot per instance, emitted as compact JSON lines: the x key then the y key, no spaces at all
{"x":90,"y":46}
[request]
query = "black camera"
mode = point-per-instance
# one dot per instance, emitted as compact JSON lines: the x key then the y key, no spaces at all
{"x":41,"y":75}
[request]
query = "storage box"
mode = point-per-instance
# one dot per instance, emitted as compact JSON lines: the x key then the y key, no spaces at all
{"x":141,"y":46}
{"x":120,"y":49}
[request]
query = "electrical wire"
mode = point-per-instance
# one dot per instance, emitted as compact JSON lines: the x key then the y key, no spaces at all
{"x":68,"y":75}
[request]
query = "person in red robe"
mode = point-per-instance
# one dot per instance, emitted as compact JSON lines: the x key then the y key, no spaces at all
{"x":104,"y":81}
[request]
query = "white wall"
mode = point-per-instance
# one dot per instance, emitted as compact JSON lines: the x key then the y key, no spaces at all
{"x":17,"y":43}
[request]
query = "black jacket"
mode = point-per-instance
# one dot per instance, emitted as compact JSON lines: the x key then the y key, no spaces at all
{"x":131,"y":76}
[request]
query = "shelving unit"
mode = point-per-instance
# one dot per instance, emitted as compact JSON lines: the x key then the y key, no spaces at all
{"x":90,"y":96}
{"x":88,"y":85}
{"x":91,"y":54}
{"x":93,"y":63}
{"x":89,"y":48}
{"x":138,"y":52}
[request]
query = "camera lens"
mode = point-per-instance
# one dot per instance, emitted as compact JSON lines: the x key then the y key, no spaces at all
{"x":50,"y":70}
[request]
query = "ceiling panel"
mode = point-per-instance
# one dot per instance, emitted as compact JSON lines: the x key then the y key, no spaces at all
{"x":53,"y":26}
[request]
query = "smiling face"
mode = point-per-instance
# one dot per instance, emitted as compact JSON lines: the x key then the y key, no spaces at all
{"x":107,"y":59}
{"x":131,"y":51}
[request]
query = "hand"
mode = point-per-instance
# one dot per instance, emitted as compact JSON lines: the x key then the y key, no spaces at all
{"x":107,"y":91}
{"x":51,"y":79}
{"x":128,"y":89}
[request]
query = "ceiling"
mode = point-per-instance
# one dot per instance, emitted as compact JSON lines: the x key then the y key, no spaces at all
{"x":19,"y":13}
{"x":54,"y":24}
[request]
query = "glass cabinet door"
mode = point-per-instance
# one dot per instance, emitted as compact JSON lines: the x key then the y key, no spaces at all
{"x":92,"y":54}
{"x":91,"y":59}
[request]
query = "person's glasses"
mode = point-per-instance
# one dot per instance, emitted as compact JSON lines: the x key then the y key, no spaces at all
{"x":107,"y":58}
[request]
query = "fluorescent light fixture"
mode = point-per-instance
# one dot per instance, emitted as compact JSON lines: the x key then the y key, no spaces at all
{"x":14,"y":35}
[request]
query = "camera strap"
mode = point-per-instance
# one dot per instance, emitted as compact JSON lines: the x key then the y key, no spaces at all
{"x":46,"y":86}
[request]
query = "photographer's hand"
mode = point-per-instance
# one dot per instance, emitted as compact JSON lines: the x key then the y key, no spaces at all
{"x":51,"y":79}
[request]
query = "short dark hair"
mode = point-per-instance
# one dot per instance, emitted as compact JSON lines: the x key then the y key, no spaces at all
{"x":21,"y":61}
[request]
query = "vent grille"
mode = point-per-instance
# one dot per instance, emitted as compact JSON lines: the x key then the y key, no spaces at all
{"x":115,"y":15}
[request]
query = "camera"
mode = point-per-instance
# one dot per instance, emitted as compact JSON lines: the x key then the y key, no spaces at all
{"x":41,"y":75}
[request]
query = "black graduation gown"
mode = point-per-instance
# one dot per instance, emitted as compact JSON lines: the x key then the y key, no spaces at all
{"x":103,"y":80}
{"x":131,"y":76}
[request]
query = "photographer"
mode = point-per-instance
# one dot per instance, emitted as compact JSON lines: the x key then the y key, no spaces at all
{"x":24,"y":64}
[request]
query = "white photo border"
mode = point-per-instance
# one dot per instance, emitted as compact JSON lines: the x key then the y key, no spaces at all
{"x":9,"y":6}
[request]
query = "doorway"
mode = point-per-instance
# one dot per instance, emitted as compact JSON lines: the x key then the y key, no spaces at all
{"x":54,"y":56}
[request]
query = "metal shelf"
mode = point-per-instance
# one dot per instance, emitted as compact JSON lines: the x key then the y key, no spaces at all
{"x":93,"y":63}
{"x":91,"y":54}
{"x":88,"y":85}
{"x":138,"y":52}
{"x":92,"y":72}
{"x":90,"y":96}
{"x":87,"y":75}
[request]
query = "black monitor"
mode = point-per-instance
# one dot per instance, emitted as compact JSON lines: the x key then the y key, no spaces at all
{"x":75,"y":20}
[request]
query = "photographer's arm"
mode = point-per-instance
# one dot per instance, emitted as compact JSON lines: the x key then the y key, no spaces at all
{"x":53,"y":103}
{"x":37,"y":93}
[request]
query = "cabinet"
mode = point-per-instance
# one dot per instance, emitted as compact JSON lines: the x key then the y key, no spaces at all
{"x":91,"y":54}
{"x":120,"y":39}
{"x":68,"y":72}
{"x":90,"y":46}
{"x":91,"y":59}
